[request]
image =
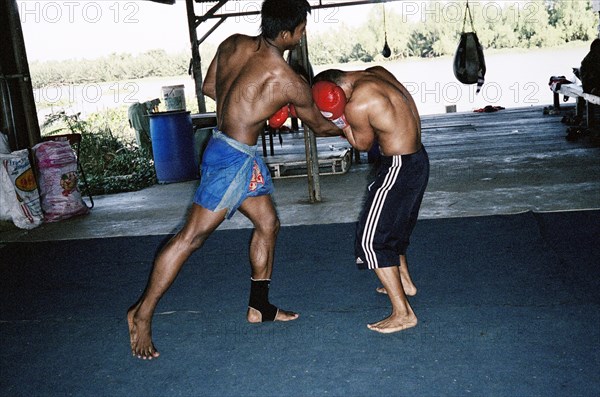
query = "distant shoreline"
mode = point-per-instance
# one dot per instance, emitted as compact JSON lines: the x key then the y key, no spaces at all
{"x":514,"y":78}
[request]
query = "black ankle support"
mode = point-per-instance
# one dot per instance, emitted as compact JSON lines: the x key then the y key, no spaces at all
{"x":259,"y":299}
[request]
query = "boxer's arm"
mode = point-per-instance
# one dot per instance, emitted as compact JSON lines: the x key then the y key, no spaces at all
{"x":209,"y":87}
{"x":349,"y":135}
{"x":316,"y":122}
{"x":360,"y":133}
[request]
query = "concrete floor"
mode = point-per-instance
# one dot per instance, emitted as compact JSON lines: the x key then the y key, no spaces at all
{"x":506,"y":162}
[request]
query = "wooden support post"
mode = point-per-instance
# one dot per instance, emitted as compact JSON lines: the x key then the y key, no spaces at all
{"x":580,"y":106}
{"x":18,"y":113}
{"x":196,"y":60}
{"x":310,"y":142}
{"x":312,"y":166}
{"x":592,"y":115}
{"x":556,"y":101}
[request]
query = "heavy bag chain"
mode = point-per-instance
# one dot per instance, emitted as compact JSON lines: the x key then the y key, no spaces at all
{"x":468,"y":10}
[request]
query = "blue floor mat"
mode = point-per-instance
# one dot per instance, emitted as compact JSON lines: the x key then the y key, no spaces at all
{"x":507,"y":306}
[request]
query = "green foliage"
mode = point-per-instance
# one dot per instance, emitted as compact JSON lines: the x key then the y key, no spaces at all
{"x":434,"y":31}
{"x":112,"y":163}
{"x":61,"y":123}
{"x":115,"y":67}
{"x":113,"y":119}
{"x":571,"y":19}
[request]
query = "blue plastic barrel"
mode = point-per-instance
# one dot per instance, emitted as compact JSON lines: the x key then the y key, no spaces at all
{"x":173,"y":146}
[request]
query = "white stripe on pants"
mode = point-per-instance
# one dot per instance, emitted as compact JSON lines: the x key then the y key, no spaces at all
{"x":375,"y":212}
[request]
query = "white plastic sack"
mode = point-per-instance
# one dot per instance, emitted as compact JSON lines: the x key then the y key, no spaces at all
{"x":19,"y":195}
{"x":58,"y":179}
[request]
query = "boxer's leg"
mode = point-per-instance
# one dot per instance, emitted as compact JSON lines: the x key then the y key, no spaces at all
{"x":410,"y":289}
{"x":199,"y":225}
{"x":261,"y":212}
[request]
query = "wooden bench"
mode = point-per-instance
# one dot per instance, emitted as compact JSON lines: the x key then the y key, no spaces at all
{"x":585,"y":103}
{"x":337,"y":161}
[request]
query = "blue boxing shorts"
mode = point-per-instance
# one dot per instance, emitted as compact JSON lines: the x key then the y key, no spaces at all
{"x":391,"y":210}
{"x":231,"y":172}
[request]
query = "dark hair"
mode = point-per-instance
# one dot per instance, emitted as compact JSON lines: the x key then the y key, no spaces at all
{"x":332,"y":75}
{"x":282,"y":16}
{"x":595,"y":46}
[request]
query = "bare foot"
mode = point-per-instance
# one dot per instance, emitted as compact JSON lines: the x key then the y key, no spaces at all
{"x":394,"y":323}
{"x":140,"y":336}
{"x":254,"y":316}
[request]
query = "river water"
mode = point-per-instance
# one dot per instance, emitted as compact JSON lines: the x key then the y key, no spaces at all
{"x":516,"y":78}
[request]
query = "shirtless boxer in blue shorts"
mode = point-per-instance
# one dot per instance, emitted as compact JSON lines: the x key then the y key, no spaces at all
{"x":373,"y":107}
{"x":249,"y":80}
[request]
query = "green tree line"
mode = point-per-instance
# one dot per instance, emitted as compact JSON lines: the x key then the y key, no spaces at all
{"x":115,"y":67}
{"x":430,"y":31}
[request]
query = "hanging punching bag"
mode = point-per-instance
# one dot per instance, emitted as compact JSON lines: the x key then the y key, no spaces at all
{"x":386,"y":52}
{"x":386,"y":49}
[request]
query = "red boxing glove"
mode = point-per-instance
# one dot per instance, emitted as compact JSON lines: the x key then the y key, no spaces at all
{"x":293,"y":111}
{"x":331,"y":101}
{"x":277,"y":120}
